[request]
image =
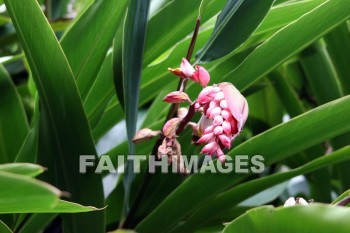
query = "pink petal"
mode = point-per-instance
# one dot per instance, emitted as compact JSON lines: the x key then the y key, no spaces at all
{"x":217,"y":120}
{"x":203,"y":124}
{"x":227,"y":127}
{"x":223,"y":104}
{"x":225,"y":114}
{"x":236,"y":103}
{"x":203,"y":96}
{"x":215,"y":112}
{"x":177,"y":97}
{"x":169,"y":128}
{"x":219,"y":96}
{"x":219,"y":152}
{"x":210,"y":148}
{"x":186,"y":68}
{"x":218,"y":130}
{"x":222,"y":158}
{"x":209,"y":129}
{"x":212,"y":105}
{"x":205,"y":138}
{"x":201,"y":76}
{"x":225,"y":141}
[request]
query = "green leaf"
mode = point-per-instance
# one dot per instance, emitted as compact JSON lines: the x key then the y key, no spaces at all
{"x":133,"y":46}
{"x":4,"y":228}
{"x":66,"y":207}
{"x":236,"y":22}
{"x":320,"y":73}
{"x":204,"y":4}
{"x":112,"y":115}
{"x":272,"y":144}
{"x":37,"y":223}
{"x":26,"y":169}
{"x":173,"y":23}
{"x":245,"y":190}
{"x":29,"y":150}
{"x":277,"y":50}
{"x":21,"y":194}
{"x":100,"y":93}
{"x":313,"y":218}
{"x":86,"y":53}
{"x":64,"y":127}
{"x":339,"y":50}
{"x":118,"y":64}
{"x":13,"y":120}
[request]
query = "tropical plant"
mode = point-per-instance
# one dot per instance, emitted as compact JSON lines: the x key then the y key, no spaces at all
{"x":80,"y":78}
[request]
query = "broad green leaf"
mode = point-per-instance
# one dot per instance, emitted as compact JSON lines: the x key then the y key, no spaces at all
{"x":203,"y":6}
{"x":282,"y":15}
{"x":4,"y":228}
{"x":320,"y":184}
{"x":272,"y":144}
{"x":286,"y":94}
{"x":313,"y":218}
{"x":13,"y":120}
{"x":37,"y":223}
{"x":338,"y":47}
{"x":236,"y":22}
{"x":133,"y":48}
{"x":20,"y":194}
{"x":86,"y":53}
{"x":29,"y":150}
{"x":26,"y":169}
{"x":241,"y":192}
{"x":320,"y":72}
{"x":112,"y":115}
{"x":100,"y":93}
{"x":173,"y":23}
{"x":118,"y":64}
{"x":66,"y":207}
{"x":277,"y":50}
{"x":64,"y":127}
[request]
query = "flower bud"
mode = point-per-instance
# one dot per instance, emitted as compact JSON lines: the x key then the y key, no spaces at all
{"x":182,"y":112}
{"x":177,"y":97}
{"x":225,"y":140}
{"x":201,"y":76}
{"x":169,"y":128}
{"x":206,"y":138}
{"x":144,"y":135}
{"x":210,"y":148}
{"x":187,"y":68}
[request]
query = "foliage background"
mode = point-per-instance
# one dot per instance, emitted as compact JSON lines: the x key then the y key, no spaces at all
{"x":74,"y":72}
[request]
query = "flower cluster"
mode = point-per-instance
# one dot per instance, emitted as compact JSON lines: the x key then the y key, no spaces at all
{"x":224,"y":111}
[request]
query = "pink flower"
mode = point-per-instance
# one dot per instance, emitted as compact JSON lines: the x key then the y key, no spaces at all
{"x":186,"y":68}
{"x":177,"y":97}
{"x":225,"y":111}
{"x":199,"y":75}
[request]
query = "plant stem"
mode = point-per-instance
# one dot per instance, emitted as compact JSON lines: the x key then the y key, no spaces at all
{"x":172,"y":113}
{"x":183,"y":81}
